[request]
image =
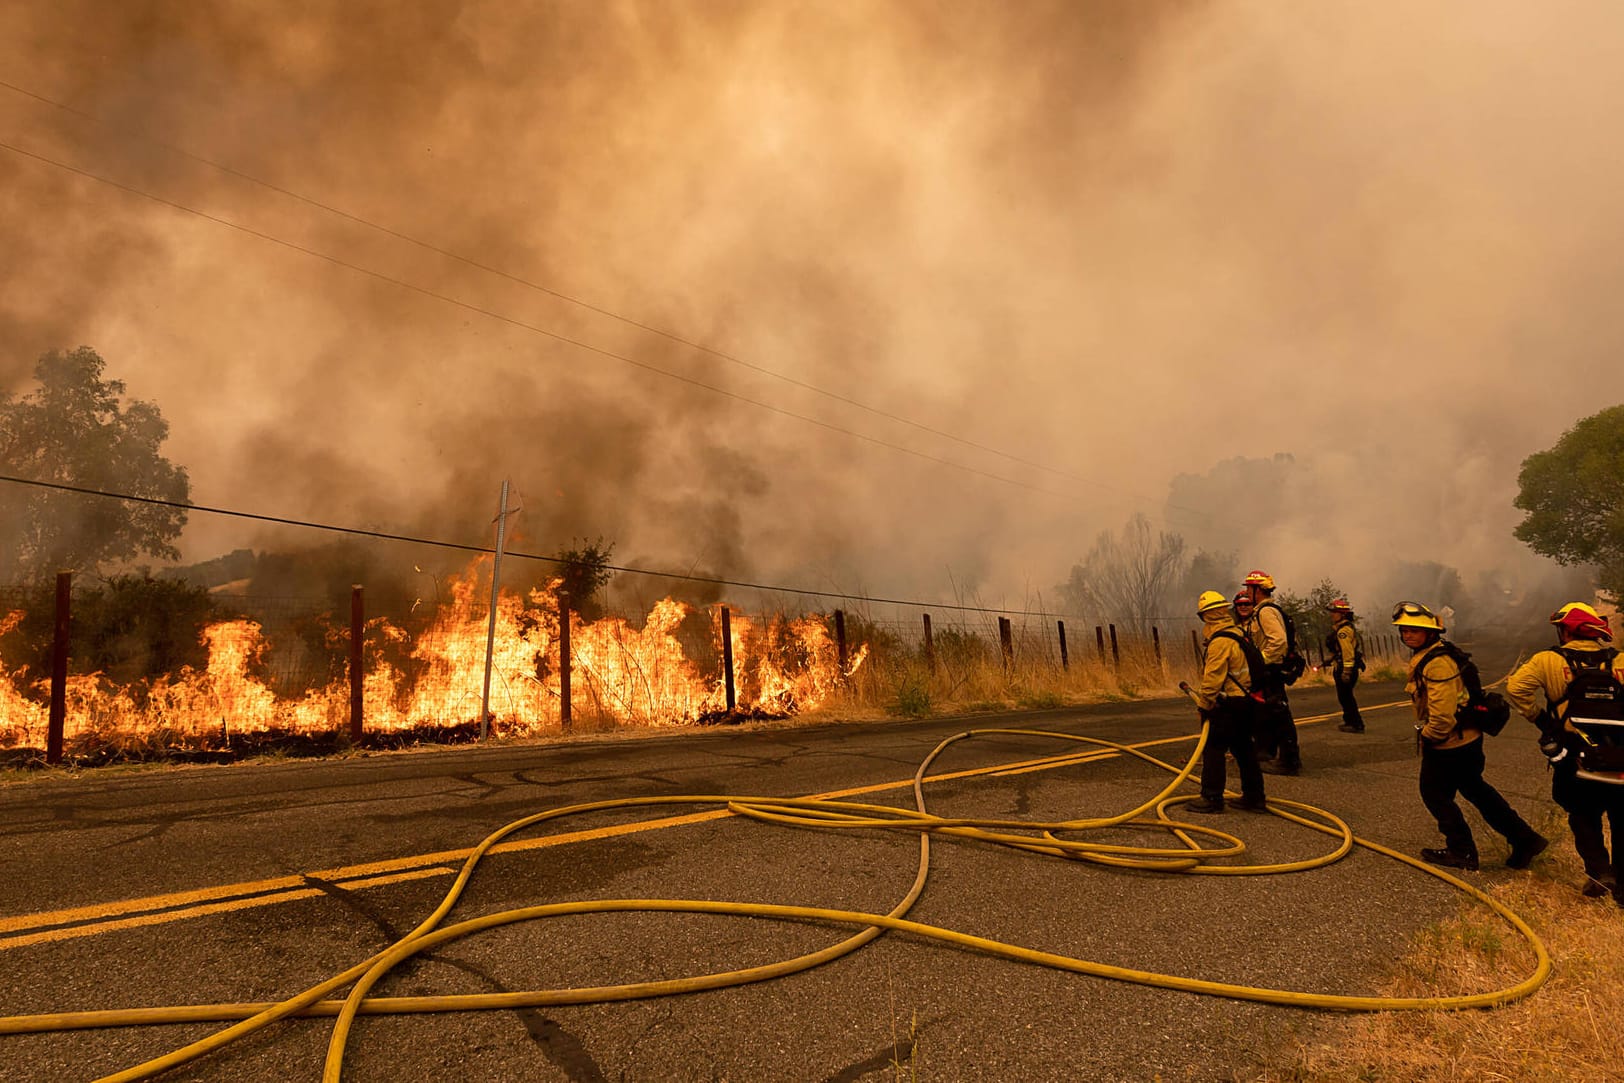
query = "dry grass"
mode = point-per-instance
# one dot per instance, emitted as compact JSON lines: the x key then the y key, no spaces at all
{"x":1572,"y":1028}
{"x":971,"y":675}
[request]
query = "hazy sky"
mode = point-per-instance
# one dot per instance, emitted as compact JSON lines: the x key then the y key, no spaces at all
{"x":1124,"y":241}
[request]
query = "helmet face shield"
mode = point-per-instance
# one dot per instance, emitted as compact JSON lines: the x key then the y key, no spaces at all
{"x":1416,"y":615}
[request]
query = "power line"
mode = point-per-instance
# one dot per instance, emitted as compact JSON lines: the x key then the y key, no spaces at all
{"x":608,"y":313}
{"x":549,"y":291}
{"x":463,"y":547}
{"x":567,"y":340}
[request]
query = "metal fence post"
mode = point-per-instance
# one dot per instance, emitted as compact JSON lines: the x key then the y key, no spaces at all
{"x":840,"y":640}
{"x":930,"y":648}
{"x":490,"y":634}
{"x":1116,"y":655}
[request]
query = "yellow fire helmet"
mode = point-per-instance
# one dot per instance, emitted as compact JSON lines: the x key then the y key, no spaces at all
{"x":1581,"y":622}
{"x":1416,"y":615}
{"x":1210,"y":600}
{"x":1258,"y":579}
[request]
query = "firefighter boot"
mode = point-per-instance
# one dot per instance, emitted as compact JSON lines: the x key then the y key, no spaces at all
{"x":1524,"y":850}
{"x":1451,"y":859}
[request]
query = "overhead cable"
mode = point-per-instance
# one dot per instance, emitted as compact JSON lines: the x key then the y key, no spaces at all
{"x":513,"y":321}
{"x":467,"y":548}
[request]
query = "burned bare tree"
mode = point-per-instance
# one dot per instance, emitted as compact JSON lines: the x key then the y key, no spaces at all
{"x":1127,"y":578}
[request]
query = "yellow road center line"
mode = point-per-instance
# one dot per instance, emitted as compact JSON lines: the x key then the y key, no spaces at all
{"x":177,"y":906}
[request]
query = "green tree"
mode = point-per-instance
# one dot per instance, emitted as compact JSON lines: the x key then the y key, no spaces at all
{"x":1574,"y":496}
{"x":74,"y":429}
{"x":130,"y":628}
{"x":584,"y":571}
{"x":1311,"y":616}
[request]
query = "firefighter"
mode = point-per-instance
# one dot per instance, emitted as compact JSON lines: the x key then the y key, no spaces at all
{"x":1347,"y":652}
{"x":1583,"y":644}
{"x":1267,"y":630}
{"x":1264,"y":741}
{"x":1451,"y":754}
{"x":1227,"y":706}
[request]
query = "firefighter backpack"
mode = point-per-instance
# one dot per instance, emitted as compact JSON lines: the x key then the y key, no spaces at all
{"x":1485,"y":712}
{"x":1595,"y":702}
{"x":1292,"y":665}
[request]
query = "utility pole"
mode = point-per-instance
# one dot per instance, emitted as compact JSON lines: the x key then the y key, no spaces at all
{"x":490,"y":633}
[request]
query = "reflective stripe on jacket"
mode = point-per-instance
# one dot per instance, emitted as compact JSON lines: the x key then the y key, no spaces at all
{"x":1347,"y":645}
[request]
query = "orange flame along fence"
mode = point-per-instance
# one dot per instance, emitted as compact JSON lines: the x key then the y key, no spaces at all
{"x":401,"y":679}
{"x":377,"y":678}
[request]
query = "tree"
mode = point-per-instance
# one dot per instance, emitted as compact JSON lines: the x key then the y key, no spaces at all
{"x":584,"y":572}
{"x":1127,"y":577}
{"x":1312,"y":616}
{"x":74,"y":430}
{"x":129,"y":628}
{"x":1207,"y":571}
{"x":1574,"y":496}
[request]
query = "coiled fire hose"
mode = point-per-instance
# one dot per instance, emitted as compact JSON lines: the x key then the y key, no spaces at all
{"x":1199,"y":846}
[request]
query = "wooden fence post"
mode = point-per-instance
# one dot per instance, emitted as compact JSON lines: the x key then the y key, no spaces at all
{"x":1156,"y":645}
{"x":1006,"y":643}
{"x":358,"y":622}
{"x":1116,"y":655}
{"x":930,"y":648}
{"x":56,"y":721}
{"x":1099,"y":641}
{"x":727,"y":658}
{"x":840,"y":641}
{"x":1195,"y":646}
{"x":564,"y":707}
{"x":1065,"y":659}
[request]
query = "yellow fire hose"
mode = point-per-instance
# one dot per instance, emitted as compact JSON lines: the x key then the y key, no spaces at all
{"x":1047,"y":838}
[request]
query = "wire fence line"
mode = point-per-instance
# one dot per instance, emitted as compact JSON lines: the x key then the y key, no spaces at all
{"x":222,"y":662}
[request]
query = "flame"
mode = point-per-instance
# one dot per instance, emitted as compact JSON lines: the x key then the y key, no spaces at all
{"x":621,"y":674}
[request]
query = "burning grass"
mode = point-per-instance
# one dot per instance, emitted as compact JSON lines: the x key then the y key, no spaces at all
{"x":281,"y":686}
{"x":1571,"y":1029}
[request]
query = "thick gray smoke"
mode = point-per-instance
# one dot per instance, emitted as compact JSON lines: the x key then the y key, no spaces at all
{"x":1127,"y":241}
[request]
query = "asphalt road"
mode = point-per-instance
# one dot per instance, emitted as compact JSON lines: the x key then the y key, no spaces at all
{"x":250,"y":883}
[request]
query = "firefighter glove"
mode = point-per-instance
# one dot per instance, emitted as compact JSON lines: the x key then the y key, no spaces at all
{"x":1554,"y":750}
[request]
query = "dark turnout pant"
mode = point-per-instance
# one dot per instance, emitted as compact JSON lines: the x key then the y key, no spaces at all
{"x":1344,"y":696}
{"x":1587,"y":802}
{"x":1276,"y":730}
{"x":1448,"y":771}
{"x":1230,"y":731}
